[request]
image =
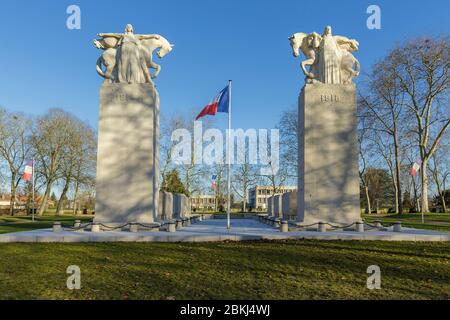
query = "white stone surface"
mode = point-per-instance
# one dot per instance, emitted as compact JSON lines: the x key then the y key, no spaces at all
{"x":127,"y":56}
{"x":329,"y":57}
{"x":289,"y":204}
{"x":128,"y":154}
{"x":215,"y":230}
{"x":166,"y":203}
{"x":181,"y":206}
{"x":328,"y":183}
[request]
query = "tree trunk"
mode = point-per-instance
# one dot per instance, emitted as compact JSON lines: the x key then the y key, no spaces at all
{"x":75,"y":196}
{"x":60,"y":206}
{"x":43,"y":205}
{"x":396,"y":194}
{"x":368,"y":207}
{"x":424,"y":177}
{"x":399,"y":202}
{"x":13,"y":194}
{"x":444,"y":205}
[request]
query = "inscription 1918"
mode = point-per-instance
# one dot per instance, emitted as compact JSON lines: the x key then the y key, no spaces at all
{"x":123,"y":97}
{"x":329,"y":98}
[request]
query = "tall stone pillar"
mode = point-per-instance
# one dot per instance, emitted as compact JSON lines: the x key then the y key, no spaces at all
{"x":328,"y":179}
{"x":128,"y":154}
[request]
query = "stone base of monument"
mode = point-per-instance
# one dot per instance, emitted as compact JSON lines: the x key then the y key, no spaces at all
{"x":328,"y":178}
{"x":128,"y":154}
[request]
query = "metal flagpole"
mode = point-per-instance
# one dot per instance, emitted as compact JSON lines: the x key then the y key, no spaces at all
{"x":32,"y":177}
{"x":229,"y":156}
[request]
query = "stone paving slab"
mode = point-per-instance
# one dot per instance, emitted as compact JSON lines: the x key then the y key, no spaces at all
{"x":215,"y":230}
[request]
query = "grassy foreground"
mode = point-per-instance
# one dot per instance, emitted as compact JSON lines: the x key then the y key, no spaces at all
{"x":432,"y":221}
{"x":246,"y":270}
{"x":24,"y":223}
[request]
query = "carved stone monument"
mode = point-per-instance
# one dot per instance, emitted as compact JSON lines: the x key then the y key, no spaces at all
{"x":128,"y":131}
{"x":328,"y":180}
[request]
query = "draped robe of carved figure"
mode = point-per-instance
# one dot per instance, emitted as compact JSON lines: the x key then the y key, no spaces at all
{"x":131,"y":64}
{"x":329,"y":59}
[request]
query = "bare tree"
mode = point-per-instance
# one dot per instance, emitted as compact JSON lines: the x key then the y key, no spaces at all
{"x":288,"y":126}
{"x":245,"y":176}
{"x":440,"y":171}
{"x":382,"y":104}
{"x":363,"y":164}
{"x":49,"y":139}
{"x":85,"y":168}
{"x":14,"y":147}
{"x":77,"y":159}
{"x":421,"y":66}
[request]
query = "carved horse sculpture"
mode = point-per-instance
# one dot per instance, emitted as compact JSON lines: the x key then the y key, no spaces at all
{"x":309,"y":44}
{"x":108,"y":57}
{"x":350,"y":67}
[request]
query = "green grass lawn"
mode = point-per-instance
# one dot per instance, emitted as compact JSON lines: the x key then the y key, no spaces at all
{"x":225,"y":270}
{"x":24,"y":223}
{"x":433,"y":221}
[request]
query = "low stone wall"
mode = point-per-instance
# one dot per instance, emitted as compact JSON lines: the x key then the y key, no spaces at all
{"x":165,"y":206}
{"x":289,"y":205}
{"x":181,"y":206}
{"x":269,"y":206}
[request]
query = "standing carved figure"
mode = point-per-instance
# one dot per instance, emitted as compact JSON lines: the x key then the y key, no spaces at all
{"x":128,"y":56}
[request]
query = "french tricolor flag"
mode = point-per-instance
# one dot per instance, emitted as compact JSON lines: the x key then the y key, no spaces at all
{"x":28,"y":171}
{"x":415,"y":168}
{"x":219,"y":104}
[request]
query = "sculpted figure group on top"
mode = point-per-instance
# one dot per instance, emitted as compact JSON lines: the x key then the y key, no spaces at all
{"x":329,"y":57}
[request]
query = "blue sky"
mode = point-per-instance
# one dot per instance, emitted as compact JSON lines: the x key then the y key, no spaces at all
{"x":44,"y":65}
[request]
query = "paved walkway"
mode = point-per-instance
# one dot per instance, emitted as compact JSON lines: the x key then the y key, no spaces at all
{"x":215,"y":230}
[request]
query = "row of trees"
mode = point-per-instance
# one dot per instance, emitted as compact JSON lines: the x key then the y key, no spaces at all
{"x":196,"y":179}
{"x":404,"y":116}
{"x":64,"y":152}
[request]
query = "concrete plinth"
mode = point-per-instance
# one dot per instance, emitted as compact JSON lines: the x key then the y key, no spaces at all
{"x":328,"y":183}
{"x":128,"y":154}
{"x":289,"y":205}
{"x":397,"y":227}
{"x":172,"y":227}
{"x":269,"y":205}
{"x":284,"y":227}
{"x":166,"y":211}
{"x":57,"y":227}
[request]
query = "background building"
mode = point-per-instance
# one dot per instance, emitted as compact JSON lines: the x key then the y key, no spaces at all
{"x":257,"y":196}
{"x":203,"y":202}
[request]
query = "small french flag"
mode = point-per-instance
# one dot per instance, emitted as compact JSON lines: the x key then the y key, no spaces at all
{"x":28,"y":171}
{"x":219,"y":104}
{"x":416,"y":167}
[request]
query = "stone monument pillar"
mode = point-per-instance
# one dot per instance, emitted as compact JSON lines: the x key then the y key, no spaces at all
{"x":127,"y":188}
{"x":128,"y":154}
{"x":328,"y":178}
